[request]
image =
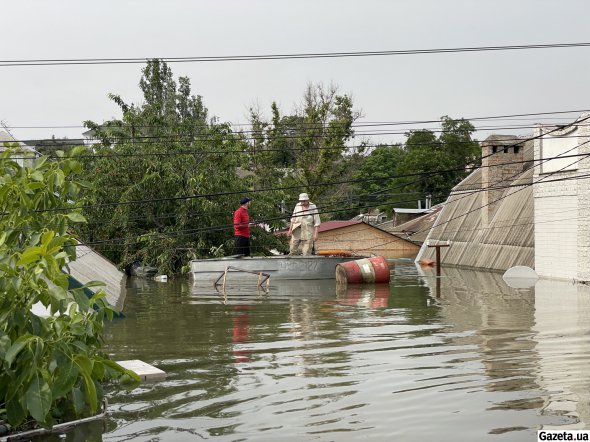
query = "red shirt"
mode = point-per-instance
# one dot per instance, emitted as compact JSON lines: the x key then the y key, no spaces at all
{"x":241,"y":220}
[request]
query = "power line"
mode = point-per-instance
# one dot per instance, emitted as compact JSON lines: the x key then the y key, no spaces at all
{"x":310,"y":55}
{"x":360,"y":124}
{"x":524,"y":186}
{"x":224,"y":227}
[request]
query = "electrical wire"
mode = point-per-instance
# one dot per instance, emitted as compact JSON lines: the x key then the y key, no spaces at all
{"x":311,"y":55}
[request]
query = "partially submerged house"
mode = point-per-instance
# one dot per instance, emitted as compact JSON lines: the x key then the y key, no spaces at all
{"x":402,"y":215}
{"x":415,"y":230}
{"x":359,"y":237}
{"x":488,"y":217}
{"x":562,"y":200}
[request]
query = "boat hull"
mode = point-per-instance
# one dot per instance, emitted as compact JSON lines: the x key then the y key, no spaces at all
{"x":278,"y":267}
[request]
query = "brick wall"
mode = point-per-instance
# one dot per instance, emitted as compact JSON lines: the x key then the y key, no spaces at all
{"x":562,"y":213}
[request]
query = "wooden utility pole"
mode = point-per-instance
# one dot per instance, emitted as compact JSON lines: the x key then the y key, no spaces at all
{"x":437,"y":251}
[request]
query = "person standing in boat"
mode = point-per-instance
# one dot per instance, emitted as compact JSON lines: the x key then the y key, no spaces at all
{"x":242,"y":228}
{"x":304,"y":227}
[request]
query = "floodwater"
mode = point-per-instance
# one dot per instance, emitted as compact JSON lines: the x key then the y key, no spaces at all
{"x":466,"y":359}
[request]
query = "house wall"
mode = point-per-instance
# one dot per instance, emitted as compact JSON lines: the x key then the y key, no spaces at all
{"x":365,"y":239}
{"x":562,"y":208}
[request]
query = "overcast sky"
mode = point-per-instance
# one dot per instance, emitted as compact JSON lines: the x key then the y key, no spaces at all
{"x":386,"y":88}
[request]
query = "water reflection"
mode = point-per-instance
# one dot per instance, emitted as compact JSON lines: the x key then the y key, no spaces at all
{"x":317,"y":361}
{"x":367,"y":295}
{"x":535,"y":340}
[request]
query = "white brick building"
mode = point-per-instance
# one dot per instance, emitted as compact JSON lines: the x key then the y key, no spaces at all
{"x":562,"y":201}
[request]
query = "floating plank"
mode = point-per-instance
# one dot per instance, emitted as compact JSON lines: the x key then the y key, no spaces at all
{"x":145,"y":371}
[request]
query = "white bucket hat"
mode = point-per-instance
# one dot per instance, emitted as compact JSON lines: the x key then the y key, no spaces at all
{"x":303,"y":197}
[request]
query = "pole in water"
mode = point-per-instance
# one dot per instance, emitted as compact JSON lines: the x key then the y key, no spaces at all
{"x":437,"y":251}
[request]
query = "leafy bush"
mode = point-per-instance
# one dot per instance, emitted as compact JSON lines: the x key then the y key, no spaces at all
{"x":51,"y":368}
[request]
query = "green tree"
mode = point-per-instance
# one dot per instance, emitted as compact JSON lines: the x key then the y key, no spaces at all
{"x":50,"y":367}
{"x":443,"y":161}
{"x":308,"y":147}
{"x":400,"y":174}
{"x":379,"y":187}
{"x":169,"y":153}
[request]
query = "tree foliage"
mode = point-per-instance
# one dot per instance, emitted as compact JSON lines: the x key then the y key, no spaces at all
{"x":167,"y":153}
{"x":51,"y":368}
{"x":424,"y":165}
{"x":301,"y":150}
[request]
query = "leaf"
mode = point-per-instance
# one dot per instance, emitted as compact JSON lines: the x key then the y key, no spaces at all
{"x":15,"y":412}
{"x":76,"y":217}
{"x":37,"y":176}
{"x":46,"y":237}
{"x":38,"y":398}
{"x":58,"y":293}
{"x":59,"y":178}
{"x":64,"y":380}
{"x":84,"y":363}
{"x":81,"y":299}
{"x":85,"y":366}
{"x":94,"y":284}
{"x":15,"y":349}
{"x":30,"y":255}
{"x":39,"y":162}
{"x":34,"y":239}
{"x":98,"y":370}
{"x":78,"y":401}
{"x":91,"y":396}
{"x":4,"y":345}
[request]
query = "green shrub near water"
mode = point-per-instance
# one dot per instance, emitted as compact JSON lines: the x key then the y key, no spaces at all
{"x":51,"y":368}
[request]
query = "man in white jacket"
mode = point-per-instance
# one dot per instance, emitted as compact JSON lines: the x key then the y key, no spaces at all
{"x":305,"y":223}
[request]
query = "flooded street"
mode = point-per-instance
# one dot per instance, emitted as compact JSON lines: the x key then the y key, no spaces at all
{"x":313,"y":361}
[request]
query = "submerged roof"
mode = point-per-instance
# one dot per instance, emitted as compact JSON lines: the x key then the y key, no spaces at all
{"x":92,"y":266}
{"x":416,"y":229}
{"x":504,"y":241}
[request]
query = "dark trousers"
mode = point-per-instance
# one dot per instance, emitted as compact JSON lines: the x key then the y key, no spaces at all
{"x":242,"y":245}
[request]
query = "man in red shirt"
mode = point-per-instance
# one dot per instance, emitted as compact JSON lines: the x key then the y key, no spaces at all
{"x":242,"y":228}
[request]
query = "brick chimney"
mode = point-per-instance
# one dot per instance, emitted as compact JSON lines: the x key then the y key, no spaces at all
{"x":497,"y":150}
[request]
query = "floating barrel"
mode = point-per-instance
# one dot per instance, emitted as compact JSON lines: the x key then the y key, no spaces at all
{"x":367,"y":270}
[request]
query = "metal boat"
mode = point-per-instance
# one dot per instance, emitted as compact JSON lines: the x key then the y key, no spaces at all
{"x":277,"y":267}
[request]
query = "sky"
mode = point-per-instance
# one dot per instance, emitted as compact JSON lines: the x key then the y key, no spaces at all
{"x":384,"y":88}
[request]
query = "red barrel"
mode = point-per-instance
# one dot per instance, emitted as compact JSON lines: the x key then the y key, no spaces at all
{"x":367,"y":270}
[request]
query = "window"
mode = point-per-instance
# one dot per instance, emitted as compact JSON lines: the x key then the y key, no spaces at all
{"x":516,"y":149}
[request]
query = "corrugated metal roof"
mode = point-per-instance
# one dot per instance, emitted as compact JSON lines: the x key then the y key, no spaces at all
{"x":92,"y":266}
{"x":507,"y":240}
{"x":415,"y":230}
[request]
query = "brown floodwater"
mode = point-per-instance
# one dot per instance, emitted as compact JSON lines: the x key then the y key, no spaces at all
{"x":466,"y":359}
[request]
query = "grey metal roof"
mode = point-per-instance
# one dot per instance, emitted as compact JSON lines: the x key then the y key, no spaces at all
{"x":415,"y":230}
{"x":92,"y":266}
{"x":507,"y":240}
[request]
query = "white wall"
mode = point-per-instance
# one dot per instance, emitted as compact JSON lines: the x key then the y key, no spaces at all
{"x":562,"y":221}
{"x":556,"y":227}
